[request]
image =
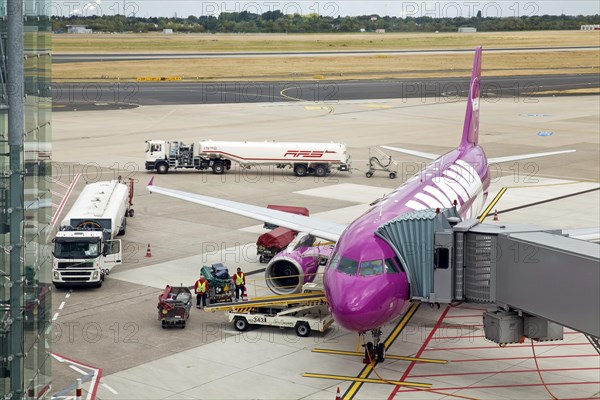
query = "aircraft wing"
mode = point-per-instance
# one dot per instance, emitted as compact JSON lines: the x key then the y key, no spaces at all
{"x":316,"y":227}
{"x":429,"y":156}
{"x":497,"y":160}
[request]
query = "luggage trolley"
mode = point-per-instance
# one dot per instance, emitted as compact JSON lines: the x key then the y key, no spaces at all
{"x":379,"y":161}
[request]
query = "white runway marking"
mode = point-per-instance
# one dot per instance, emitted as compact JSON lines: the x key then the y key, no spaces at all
{"x":113,"y":391}
{"x":61,"y":305}
{"x":55,"y":317}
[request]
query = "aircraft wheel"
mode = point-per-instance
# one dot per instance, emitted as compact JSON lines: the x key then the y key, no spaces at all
{"x":369,"y":174}
{"x":240,"y":324}
{"x":302,"y":329}
{"x":369,"y":353}
{"x":392,"y":175}
{"x":380,"y":352}
{"x":131,"y":212}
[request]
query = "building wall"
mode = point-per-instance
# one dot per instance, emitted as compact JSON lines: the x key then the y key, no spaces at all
{"x":36,"y":263}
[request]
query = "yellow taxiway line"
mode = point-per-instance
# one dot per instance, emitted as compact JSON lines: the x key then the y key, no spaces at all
{"x":390,"y":356}
{"x":367,"y":380}
{"x":492,"y":204}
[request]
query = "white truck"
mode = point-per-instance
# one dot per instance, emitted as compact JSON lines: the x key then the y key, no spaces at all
{"x":85,"y":248}
{"x":304,"y":158}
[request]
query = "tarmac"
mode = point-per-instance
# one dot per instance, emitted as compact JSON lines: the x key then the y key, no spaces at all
{"x":111,"y":338}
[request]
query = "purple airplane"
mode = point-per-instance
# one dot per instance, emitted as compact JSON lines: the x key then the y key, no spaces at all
{"x":365,"y":283}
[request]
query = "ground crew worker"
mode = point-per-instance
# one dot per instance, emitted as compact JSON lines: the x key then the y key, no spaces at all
{"x":201,"y":290}
{"x":239,"y":279}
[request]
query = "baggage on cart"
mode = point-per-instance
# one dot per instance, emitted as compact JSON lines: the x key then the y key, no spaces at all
{"x":220,"y":285}
{"x":174,"y":306}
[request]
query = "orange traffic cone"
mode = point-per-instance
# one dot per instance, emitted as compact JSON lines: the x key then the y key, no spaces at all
{"x":338,"y":396}
{"x":148,"y":252}
{"x":495,"y":215}
{"x":244,"y":295}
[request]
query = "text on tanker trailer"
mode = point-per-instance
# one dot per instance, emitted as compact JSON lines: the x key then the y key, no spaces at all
{"x":303,"y":158}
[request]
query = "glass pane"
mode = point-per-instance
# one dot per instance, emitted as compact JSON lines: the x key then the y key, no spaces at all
{"x":373,"y":267}
{"x":348,"y":266}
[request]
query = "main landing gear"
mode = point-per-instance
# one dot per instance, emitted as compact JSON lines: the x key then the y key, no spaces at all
{"x":375,"y":350}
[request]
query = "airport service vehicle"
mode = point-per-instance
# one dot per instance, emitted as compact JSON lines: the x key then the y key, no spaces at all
{"x":220,"y":285}
{"x":85,"y":248}
{"x":303,"y":318}
{"x":272,"y":242}
{"x":289,"y":209}
{"x":304,"y":158}
{"x":174,"y":305}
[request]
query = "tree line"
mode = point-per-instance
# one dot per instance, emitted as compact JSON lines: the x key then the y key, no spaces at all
{"x":277,"y":22}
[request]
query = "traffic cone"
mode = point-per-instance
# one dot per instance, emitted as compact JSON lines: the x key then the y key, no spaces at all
{"x":244,"y":295}
{"x":338,"y":396}
{"x":495,"y":215}
{"x":148,"y":252}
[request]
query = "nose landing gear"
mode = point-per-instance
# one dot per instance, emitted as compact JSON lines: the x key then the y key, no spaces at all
{"x":375,"y":350}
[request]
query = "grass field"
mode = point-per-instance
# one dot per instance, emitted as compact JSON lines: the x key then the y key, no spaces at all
{"x":324,"y":67}
{"x":157,"y":42}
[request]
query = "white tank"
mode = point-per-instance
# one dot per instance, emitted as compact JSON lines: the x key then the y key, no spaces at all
{"x":100,"y":205}
{"x":275,"y":152}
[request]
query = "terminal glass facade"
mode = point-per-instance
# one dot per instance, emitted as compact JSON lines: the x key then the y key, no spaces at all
{"x":36,"y":201}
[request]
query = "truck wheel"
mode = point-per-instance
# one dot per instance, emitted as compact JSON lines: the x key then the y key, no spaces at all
{"x":302,"y":329}
{"x":131,"y":212}
{"x":369,"y":174}
{"x":162,"y":168}
{"x":300,"y":170}
{"x":320,"y":170}
{"x":123,"y":228}
{"x":218,"y":168}
{"x":240,"y":324}
{"x":392,"y":175}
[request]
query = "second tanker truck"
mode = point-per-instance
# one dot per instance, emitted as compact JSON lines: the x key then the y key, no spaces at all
{"x":304,"y":158}
{"x":85,"y":248}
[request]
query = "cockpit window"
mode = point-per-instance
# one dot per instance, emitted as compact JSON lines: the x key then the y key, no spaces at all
{"x":390,"y":266}
{"x":374,"y":267}
{"x":335,"y":261}
{"x":348,"y":266}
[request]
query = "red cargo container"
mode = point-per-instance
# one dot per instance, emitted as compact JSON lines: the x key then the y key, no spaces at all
{"x":288,"y":209}
{"x":271,"y":243}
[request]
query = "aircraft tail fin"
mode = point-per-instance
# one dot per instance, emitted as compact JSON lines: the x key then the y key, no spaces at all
{"x":471,"y":127}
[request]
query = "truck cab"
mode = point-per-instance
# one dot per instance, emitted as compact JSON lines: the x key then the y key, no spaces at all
{"x":84,"y":257}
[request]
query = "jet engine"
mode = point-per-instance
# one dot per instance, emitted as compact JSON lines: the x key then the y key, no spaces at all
{"x":296,"y":265}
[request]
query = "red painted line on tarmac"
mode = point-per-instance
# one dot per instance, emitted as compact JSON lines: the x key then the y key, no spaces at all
{"x":64,"y":201}
{"x":95,"y":379}
{"x":481,"y":336}
{"x":418,"y":354}
{"x":524,"y":358}
{"x":505,"y":386}
{"x":507,"y":346}
{"x":507,"y":372}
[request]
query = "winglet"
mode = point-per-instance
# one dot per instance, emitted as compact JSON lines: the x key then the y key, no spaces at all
{"x":471,"y":127}
{"x":151,"y":183}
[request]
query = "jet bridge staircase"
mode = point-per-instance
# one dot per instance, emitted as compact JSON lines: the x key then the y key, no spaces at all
{"x":537,"y":279}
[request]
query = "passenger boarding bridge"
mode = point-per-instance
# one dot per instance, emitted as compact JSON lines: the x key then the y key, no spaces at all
{"x":538,"y":279}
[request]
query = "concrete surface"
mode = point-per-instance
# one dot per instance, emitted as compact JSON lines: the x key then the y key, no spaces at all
{"x":115,"y":329}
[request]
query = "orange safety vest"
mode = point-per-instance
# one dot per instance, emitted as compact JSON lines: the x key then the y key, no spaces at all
{"x":239,"y":279}
{"x":201,"y":287}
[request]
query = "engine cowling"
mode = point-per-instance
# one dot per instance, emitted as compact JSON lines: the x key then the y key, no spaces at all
{"x":289,"y":270}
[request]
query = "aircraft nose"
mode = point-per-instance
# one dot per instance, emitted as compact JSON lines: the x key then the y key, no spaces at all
{"x":363,"y":303}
